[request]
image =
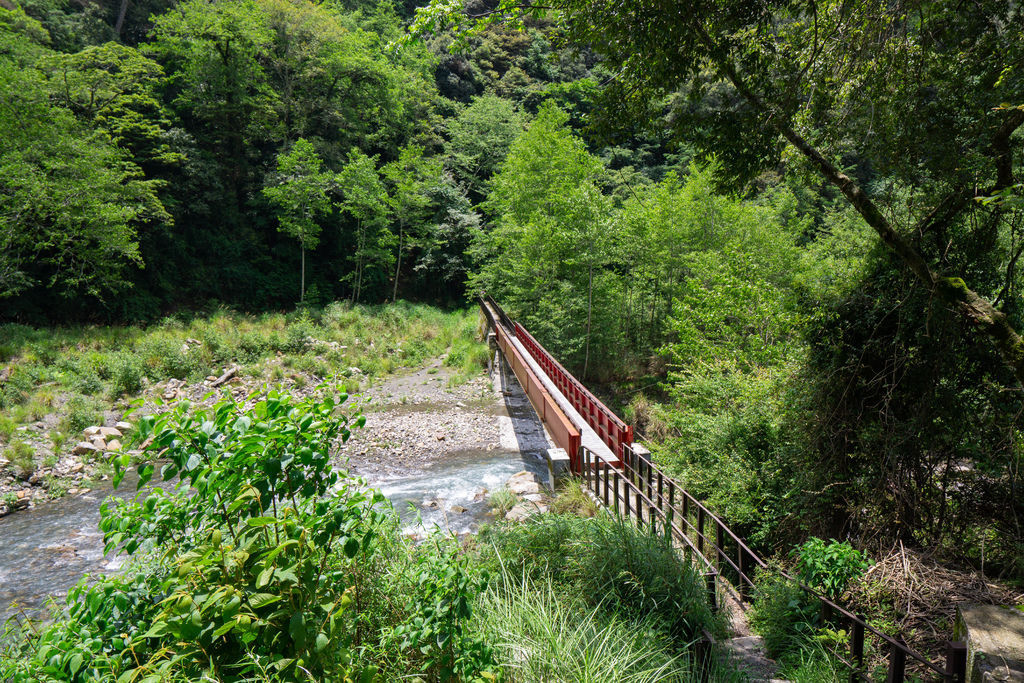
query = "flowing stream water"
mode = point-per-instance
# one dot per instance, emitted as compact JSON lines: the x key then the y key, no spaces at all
{"x":46,"y":550}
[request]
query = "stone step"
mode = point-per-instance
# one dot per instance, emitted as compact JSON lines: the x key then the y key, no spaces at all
{"x":748,"y":654}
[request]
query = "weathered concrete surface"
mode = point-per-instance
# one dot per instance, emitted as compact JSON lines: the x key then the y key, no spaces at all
{"x":558,"y":466}
{"x":995,"y":642}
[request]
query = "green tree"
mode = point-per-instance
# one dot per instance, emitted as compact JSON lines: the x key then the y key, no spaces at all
{"x":913,"y":91}
{"x":300,"y":194}
{"x":365,"y":200}
{"x":479,"y":138}
{"x":114,"y":87}
{"x":71,"y":203}
{"x":410,"y":177}
{"x":545,"y":253}
{"x":211,"y":52}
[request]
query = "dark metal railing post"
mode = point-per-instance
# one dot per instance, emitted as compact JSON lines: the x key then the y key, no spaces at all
{"x":661,"y":492}
{"x":709,"y":582}
{"x":650,"y":482}
{"x":686,"y":514}
{"x":639,"y":509}
{"x":625,"y":494}
{"x":720,"y":546}
{"x":607,"y":478}
{"x":671,"y":501}
{"x":956,"y":662}
{"x":857,"y":649}
{"x":700,"y":530}
{"x":587,"y":462}
{"x":897,"y":665}
{"x":743,"y":579}
{"x":616,"y":478}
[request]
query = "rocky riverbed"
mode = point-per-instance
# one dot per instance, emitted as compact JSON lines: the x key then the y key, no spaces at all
{"x":436,"y":451}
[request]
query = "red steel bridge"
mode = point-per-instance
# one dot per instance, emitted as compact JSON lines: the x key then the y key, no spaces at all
{"x":622,"y":475}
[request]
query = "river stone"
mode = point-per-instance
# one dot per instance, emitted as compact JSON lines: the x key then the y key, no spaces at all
{"x":110,"y":431}
{"x":114,"y":445}
{"x":91,"y":431}
{"x":524,"y":510}
{"x":84,"y":448}
{"x":124,"y":426}
{"x":523,"y":483}
{"x":99,"y":443}
{"x":458,"y":509}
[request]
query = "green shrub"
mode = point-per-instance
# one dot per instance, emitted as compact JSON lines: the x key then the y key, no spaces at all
{"x":338,"y":315}
{"x":250,"y":577}
{"x":298,"y":334}
{"x":164,"y":356}
{"x":216,"y":347}
{"x":252,"y":346}
{"x":783,"y":613}
{"x":80,"y":412}
{"x":831,"y":566}
{"x":16,"y":389}
{"x":127,"y":373}
{"x":7,"y":426}
{"x":22,"y":459}
{"x":440,"y":612}
{"x":88,"y":383}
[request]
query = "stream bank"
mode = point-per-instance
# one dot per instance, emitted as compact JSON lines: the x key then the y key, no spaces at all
{"x":435,"y":449}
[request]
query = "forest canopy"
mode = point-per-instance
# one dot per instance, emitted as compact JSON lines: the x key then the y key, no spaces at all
{"x":784,"y":236}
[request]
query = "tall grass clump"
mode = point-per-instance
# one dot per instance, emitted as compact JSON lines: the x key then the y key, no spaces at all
{"x":622,"y":570}
{"x":541,"y":635}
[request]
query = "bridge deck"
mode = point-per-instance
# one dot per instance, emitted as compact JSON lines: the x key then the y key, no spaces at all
{"x":588,"y":437}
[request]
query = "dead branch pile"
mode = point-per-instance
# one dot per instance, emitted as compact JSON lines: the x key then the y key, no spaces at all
{"x":921,"y":597}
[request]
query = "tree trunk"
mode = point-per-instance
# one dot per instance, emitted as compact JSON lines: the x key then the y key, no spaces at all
{"x":302,"y":280}
{"x":398,"y":267}
{"x":590,"y":308}
{"x":120,"y":18}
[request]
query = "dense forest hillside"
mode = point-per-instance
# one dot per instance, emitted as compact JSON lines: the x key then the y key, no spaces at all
{"x":188,"y":154}
{"x":784,"y":239}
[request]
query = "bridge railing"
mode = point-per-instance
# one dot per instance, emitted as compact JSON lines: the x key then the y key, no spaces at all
{"x":610,"y":429}
{"x":641,"y":491}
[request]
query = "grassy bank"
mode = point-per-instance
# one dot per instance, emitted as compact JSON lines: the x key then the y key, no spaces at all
{"x":272,"y":566}
{"x":55,"y":382}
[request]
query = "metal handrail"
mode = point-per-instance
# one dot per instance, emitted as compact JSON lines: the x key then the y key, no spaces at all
{"x":645,"y":473}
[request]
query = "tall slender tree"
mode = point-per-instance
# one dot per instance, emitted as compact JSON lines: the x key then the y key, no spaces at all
{"x":410,"y":177}
{"x":365,"y":199}
{"x":299,"y":192}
